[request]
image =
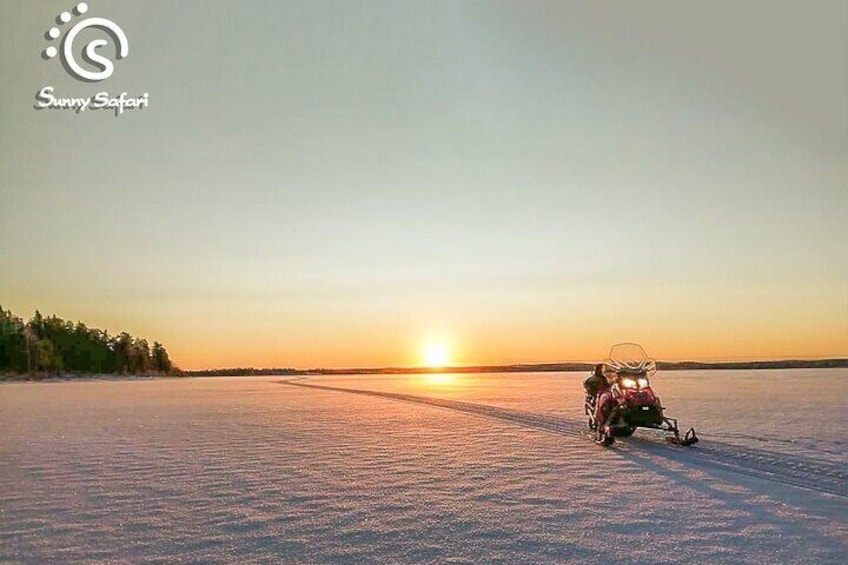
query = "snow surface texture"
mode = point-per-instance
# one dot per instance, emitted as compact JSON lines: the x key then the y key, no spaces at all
{"x":443,"y":469}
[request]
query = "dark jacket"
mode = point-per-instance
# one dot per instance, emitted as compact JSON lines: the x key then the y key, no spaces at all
{"x":595,"y":383}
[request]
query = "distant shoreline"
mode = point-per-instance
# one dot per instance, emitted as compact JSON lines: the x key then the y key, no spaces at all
{"x":483,"y":369}
{"x":524,"y":368}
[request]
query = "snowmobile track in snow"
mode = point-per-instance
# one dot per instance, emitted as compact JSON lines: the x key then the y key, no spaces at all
{"x":787,"y":469}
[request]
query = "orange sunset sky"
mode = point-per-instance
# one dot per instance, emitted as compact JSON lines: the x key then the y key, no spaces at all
{"x":356,"y":184}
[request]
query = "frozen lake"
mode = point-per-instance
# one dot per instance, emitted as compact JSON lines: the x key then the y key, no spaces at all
{"x":451,"y":469}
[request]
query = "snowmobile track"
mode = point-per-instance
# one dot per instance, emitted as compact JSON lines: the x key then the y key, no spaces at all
{"x":820,"y":476}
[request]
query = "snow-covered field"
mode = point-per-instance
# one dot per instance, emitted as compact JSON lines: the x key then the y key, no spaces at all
{"x":442,"y":469}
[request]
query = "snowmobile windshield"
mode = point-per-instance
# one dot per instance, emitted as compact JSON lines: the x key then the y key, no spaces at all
{"x":630,"y":359}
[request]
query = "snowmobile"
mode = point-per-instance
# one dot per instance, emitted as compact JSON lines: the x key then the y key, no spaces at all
{"x":632,"y":402}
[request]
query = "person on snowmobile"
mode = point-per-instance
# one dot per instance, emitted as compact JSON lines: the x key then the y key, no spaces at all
{"x":598,"y":387}
{"x":596,"y":382}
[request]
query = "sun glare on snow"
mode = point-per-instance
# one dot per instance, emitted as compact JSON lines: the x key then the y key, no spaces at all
{"x":441,"y":379}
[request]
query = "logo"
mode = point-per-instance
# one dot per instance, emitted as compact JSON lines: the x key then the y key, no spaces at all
{"x":95,"y":65}
{"x":69,"y":61}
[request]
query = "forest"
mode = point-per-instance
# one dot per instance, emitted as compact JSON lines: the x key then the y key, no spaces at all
{"x":49,"y":346}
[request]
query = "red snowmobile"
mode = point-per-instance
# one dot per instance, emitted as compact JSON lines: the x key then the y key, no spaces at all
{"x":622,"y":384}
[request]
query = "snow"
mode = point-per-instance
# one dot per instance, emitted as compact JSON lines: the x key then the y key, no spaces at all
{"x":446,"y":469}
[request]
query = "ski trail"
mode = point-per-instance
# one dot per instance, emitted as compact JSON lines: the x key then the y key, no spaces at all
{"x":787,"y":469}
{"x":526,"y":419}
{"x":804,"y":441}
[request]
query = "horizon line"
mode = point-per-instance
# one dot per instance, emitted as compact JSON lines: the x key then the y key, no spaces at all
{"x":470,"y":367}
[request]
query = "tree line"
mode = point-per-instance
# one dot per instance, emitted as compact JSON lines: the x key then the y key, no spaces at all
{"x":53,"y":346}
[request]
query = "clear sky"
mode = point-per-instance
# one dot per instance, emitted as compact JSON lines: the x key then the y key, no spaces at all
{"x":337,"y":183}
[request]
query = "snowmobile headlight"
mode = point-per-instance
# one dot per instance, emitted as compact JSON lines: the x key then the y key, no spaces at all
{"x":628,"y":383}
{"x":643,"y":382}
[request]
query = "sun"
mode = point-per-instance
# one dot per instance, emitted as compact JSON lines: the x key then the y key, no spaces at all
{"x":436,"y":355}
